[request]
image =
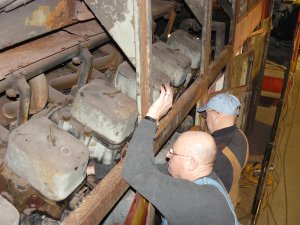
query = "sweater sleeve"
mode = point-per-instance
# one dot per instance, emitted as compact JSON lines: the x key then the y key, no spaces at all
{"x":140,"y":170}
{"x":139,"y":159}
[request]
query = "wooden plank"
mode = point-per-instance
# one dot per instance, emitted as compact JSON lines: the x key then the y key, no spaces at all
{"x":246,"y":26}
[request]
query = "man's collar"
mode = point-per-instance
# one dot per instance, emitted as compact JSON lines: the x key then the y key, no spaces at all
{"x":223,"y":131}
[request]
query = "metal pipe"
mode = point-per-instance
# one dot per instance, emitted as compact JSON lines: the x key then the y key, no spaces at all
{"x":95,"y":207}
{"x":168,"y":29}
{"x":103,"y":62}
{"x":85,"y":68}
{"x":64,"y":82}
{"x":54,"y":60}
{"x":24,"y":92}
{"x":38,"y":100}
{"x":69,"y":80}
{"x":112,"y":59}
{"x":39,"y":93}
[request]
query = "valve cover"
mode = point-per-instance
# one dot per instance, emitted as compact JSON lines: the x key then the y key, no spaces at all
{"x":171,"y":62}
{"x":188,"y":45}
{"x":107,"y":111}
{"x":50,"y":159}
{"x":126,"y":81}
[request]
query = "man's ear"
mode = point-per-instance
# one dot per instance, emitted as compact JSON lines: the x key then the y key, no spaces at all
{"x":217,"y":116}
{"x":192,"y":164}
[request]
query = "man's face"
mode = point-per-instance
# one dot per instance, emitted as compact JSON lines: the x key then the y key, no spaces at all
{"x":209,"y":119}
{"x":177,"y":159}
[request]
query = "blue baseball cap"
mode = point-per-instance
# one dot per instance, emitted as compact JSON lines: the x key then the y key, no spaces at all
{"x":223,"y":103}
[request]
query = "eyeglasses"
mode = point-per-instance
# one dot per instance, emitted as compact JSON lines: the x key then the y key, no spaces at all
{"x":204,"y":114}
{"x":173,"y":153}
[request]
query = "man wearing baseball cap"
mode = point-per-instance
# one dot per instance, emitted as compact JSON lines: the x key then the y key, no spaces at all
{"x":220,"y":114}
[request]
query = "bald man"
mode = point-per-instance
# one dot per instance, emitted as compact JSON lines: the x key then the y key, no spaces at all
{"x":220,"y":114}
{"x":191,"y":193}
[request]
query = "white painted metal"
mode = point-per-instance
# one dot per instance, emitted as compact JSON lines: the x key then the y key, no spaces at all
{"x":126,"y":81}
{"x":171,"y":62}
{"x":9,"y":215}
{"x":108,"y":112}
{"x":188,"y":45}
{"x":50,"y":159}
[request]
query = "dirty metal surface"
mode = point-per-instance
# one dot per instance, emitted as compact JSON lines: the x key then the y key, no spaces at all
{"x":27,"y":54}
{"x":96,"y":205}
{"x":85,"y":29}
{"x":118,"y":19}
{"x":58,"y":168}
{"x":34,"y":19}
{"x":25,"y":197}
{"x":110,"y":113}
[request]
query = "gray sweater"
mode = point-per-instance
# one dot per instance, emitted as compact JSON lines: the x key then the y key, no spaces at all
{"x":181,"y":202}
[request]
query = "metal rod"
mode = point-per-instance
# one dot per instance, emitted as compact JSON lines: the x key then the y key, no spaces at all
{"x":24,"y":91}
{"x":168,"y":29}
{"x":86,"y":66}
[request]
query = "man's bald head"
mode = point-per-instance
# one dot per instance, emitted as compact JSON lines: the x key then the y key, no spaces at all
{"x":198,"y":144}
{"x":193,"y":155}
